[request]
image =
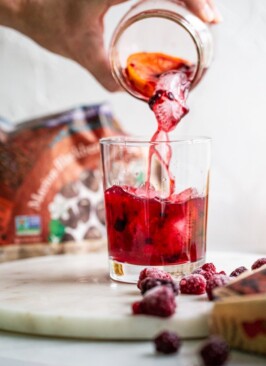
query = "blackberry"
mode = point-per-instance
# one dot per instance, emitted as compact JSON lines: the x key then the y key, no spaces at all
{"x":120,"y":224}
{"x":167,"y":342}
{"x":259,"y":263}
{"x":238,"y":271}
{"x":149,"y":283}
{"x":156,"y":98}
{"x":215,"y":352}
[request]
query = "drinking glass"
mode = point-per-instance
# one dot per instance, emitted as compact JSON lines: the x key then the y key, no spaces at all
{"x":156,"y":215}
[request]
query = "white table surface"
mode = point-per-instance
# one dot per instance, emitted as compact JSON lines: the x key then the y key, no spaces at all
{"x":20,"y":350}
{"x":72,"y":296}
{"x":24,"y":350}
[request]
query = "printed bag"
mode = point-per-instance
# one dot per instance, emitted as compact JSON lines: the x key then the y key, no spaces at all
{"x":50,"y":181}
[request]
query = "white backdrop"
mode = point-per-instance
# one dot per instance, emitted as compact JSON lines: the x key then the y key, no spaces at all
{"x":229,"y":106}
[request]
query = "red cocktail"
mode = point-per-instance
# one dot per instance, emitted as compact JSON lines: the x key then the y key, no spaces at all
{"x":156,"y":189}
{"x":151,"y":231}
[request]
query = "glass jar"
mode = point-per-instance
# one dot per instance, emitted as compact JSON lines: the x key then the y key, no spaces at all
{"x":163,"y":26}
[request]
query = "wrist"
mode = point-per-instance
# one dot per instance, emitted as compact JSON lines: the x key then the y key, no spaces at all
{"x":10,"y":11}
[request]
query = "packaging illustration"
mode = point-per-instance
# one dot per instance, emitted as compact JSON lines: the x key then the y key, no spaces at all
{"x":50,"y":180}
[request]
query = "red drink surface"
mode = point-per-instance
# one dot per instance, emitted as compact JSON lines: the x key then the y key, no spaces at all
{"x":155,"y":231}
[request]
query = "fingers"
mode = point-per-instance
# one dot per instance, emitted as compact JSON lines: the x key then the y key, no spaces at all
{"x":204,"y":9}
{"x":217,"y":15}
{"x":91,"y":53}
{"x":115,"y":2}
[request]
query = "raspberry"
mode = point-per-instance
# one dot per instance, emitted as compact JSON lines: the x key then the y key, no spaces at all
{"x":154,"y":273}
{"x":149,"y":282}
{"x":207,"y":270}
{"x":217,"y":280}
{"x":238,"y":271}
{"x":136,"y":308}
{"x":205,"y":274}
{"x":159,"y":301}
{"x":214,"y":352}
{"x":167,"y":342}
{"x":194,"y":284}
{"x":259,"y":262}
{"x":209,"y":267}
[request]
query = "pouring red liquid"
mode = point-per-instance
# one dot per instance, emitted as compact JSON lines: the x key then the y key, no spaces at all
{"x":144,"y":228}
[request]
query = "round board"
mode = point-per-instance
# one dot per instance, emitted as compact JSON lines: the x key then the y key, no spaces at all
{"x":73,"y":296}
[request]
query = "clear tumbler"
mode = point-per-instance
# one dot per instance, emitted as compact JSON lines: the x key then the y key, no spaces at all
{"x":150,"y":221}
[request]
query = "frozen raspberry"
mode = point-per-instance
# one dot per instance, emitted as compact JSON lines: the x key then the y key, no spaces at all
{"x":149,"y":282}
{"x":194,"y":284}
{"x":259,"y":262}
{"x":136,"y":307}
{"x":207,"y":270}
{"x":209,"y":267}
{"x":217,"y":280}
{"x":238,"y":271}
{"x":214,"y":352}
{"x":205,"y":274}
{"x":154,"y":273}
{"x":167,"y":342}
{"x":159,"y":301}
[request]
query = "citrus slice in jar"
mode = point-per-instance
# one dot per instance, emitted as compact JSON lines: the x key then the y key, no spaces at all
{"x":144,"y":68}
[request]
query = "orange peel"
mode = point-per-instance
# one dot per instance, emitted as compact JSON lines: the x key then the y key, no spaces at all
{"x":144,"y":68}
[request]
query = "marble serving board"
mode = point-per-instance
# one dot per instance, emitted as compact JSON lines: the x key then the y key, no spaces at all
{"x":73,"y":296}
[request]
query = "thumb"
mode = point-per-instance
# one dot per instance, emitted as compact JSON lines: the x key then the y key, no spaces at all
{"x":95,"y":60}
{"x":101,"y":70}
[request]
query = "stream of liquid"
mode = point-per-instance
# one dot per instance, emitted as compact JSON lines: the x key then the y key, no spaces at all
{"x":168,"y":104}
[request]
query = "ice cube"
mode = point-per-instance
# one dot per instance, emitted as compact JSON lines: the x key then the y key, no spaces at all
{"x":184,"y":196}
{"x":129,"y":189}
{"x":175,"y":82}
{"x":169,"y":100}
{"x":146,"y":190}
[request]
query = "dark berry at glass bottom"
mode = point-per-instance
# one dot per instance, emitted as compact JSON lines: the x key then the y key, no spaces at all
{"x":148,"y":231}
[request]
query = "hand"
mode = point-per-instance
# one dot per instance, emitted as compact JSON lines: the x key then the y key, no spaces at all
{"x":205,"y":10}
{"x":74,"y":28}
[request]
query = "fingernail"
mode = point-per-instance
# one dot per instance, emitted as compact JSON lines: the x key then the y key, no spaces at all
{"x":207,"y":13}
{"x":218,"y":16}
